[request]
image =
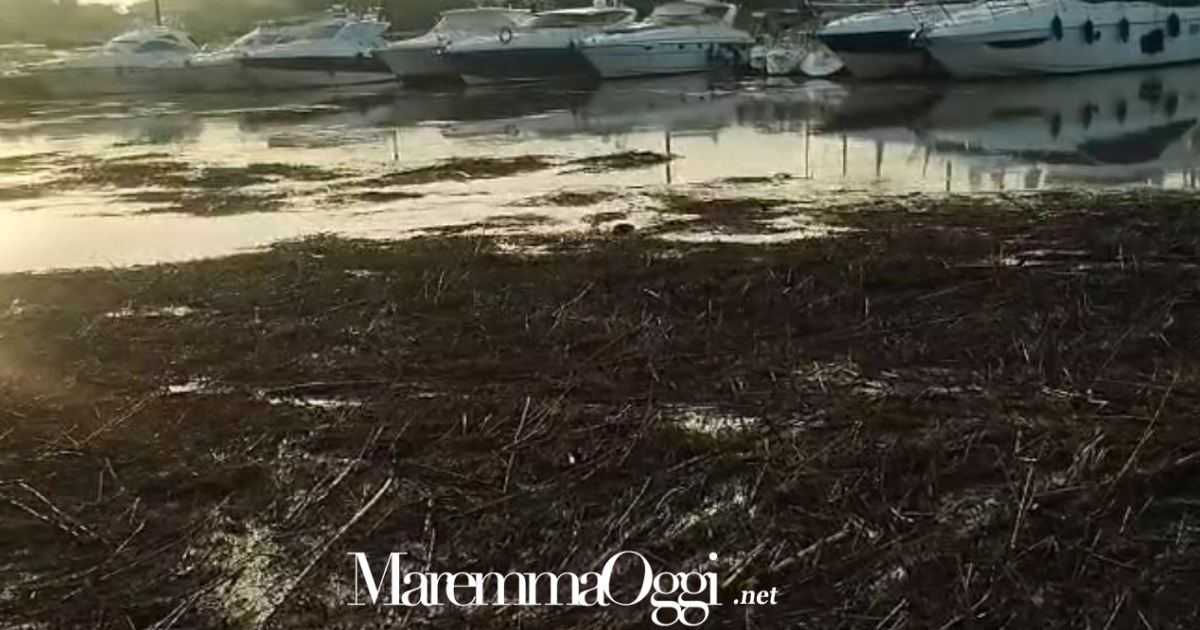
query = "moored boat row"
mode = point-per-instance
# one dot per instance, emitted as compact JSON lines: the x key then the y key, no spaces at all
{"x":328,"y":50}
{"x":481,"y":45}
{"x":967,"y":40}
{"x":603,"y":41}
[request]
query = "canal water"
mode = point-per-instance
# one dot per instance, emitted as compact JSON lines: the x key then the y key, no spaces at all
{"x":114,"y":183}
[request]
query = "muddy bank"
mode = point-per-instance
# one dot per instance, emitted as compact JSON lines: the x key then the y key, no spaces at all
{"x":943,"y":414}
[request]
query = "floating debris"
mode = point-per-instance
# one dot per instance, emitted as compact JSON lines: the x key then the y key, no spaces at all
{"x":314,"y":402}
{"x":568,"y":198}
{"x":626,"y":160}
{"x":152,"y":313}
{"x":708,"y":420}
{"x":463,"y":169}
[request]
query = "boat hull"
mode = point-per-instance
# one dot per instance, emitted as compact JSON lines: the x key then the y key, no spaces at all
{"x":98,"y":81}
{"x":898,"y":65}
{"x":882,"y":54}
{"x":481,"y":67}
{"x":1068,"y":39}
{"x":285,"y":73}
{"x":227,"y":76}
{"x":419,"y":64}
{"x":616,"y":61}
{"x":981,"y":60}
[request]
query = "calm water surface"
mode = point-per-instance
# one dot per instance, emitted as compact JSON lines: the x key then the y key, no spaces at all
{"x":808,"y":142}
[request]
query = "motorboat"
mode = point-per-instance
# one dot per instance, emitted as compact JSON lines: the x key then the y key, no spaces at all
{"x":786,"y":45}
{"x":677,"y":38}
{"x":795,"y":54}
{"x":1006,"y":38}
{"x":780,"y":38}
{"x":880,"y":44}
{"x":144,"y":60}
{"x":222,"y":70}
{"x":334,"y":51}
{"x":422,"y":60}
{"x":548,"y":47}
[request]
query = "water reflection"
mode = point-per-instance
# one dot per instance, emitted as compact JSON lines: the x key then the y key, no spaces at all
{"x":1101,"y":129}
{"x":794,"y":140}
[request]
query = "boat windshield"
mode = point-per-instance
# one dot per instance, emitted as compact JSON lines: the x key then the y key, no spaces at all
{"x":578,"y":20}
{"x":256,"y":39}
{"x":148,"y":42}
{"x":324,"y":30}
{"x":480,"y":20}
{"x":681,"y":14}
{"x":161,"y":45}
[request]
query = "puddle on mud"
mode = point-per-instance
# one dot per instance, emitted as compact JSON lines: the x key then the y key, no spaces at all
{"x":109,"y":183}
{"x":155,"y":313}
{"x":710,"y":421}
{"x":315,"y":402}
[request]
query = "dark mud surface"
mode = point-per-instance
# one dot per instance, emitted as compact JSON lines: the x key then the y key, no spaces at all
{"x":963,"y":412}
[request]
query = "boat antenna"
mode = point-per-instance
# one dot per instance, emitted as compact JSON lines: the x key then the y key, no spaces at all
{"x":158,"y":12}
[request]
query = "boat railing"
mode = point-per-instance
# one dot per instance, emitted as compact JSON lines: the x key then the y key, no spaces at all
{"x":953,"y":16}
{"x":920,"y":10}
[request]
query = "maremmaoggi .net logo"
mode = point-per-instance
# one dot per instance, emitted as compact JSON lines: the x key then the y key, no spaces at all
{"x":674,"y":599}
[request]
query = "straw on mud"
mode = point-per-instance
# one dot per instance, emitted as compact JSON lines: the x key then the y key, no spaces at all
{"x":943,"y":411}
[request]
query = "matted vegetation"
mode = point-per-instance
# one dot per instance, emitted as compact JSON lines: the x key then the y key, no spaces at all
{"x":951,"y":414}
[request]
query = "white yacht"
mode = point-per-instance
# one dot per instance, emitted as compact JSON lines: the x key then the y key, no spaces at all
{"x":998,"y":39}
{"x":421,"y":59}
{"x":145,"y":60}
{"x":880,"y":44}
{"x":678,"y":38}
{"x":336,"y":50}
{"x":546,"y":48}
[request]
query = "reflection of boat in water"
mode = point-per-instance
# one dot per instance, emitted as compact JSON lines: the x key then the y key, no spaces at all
{"x":695,"y":102}
{"x":678,"y":38}
{"x":421,"y":59}
{"x":801,"y":107}
{"x":185,"y":116}
{"x":112,"y":121}
{"x":410,"y":108}
{"x":1097,"y":127}
{"x":877,"y":105}
{"x":686,"y":103}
